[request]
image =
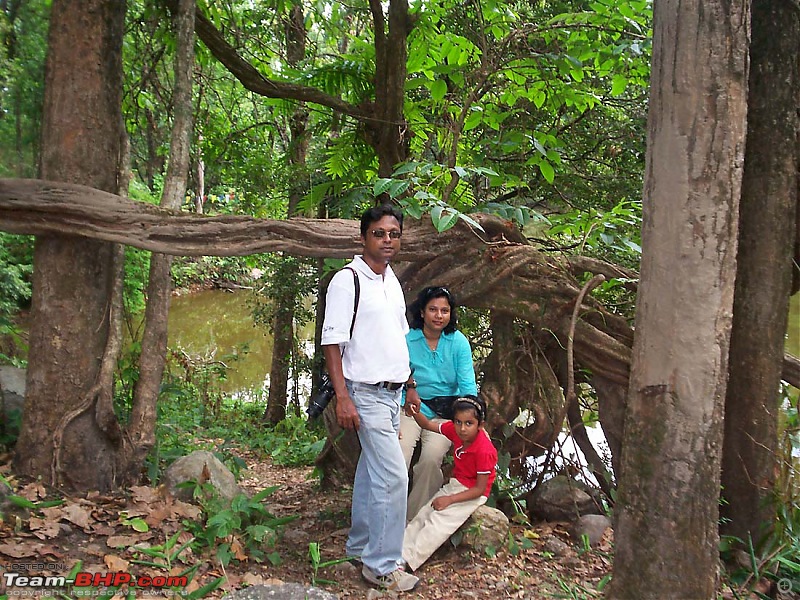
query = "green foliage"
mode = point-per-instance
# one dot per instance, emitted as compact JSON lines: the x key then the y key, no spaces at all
{"x":317,"y":563}
{"x":775,"y":560}
{"x":289,"y":279}
{"x":242,"y":529}
{"x":190,"y":399}
{"x":10,"y":427}
{"x":577,"y":591}
{"x":165,"y":557}
{"x":23,"y":31}
{"x":16,"y":269}
{"x":613,"y":234}
{"x":291,"y":442}
{"x":200,"y":270}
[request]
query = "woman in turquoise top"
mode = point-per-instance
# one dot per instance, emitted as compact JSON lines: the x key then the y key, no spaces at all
{"x":441,"y":359}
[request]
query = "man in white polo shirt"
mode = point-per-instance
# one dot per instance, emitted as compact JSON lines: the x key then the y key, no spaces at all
{"x":368,"y":370}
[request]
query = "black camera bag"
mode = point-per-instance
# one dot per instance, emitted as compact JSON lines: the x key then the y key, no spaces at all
{"x":441,"y":405}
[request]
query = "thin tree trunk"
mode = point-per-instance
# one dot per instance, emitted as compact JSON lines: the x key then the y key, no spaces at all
{"x":141,"y":429}
{"x":284,"y":346}
{"x":666,"y":539}
{"x":750,"y":458}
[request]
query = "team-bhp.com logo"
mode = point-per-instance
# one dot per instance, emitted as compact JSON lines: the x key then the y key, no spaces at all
{"x":84,"y":579}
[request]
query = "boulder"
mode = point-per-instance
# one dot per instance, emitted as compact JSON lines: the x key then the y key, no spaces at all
{"x":593,"y":527}
{"x":562,"y":499}
{"x":487,"y":528}
{"x":12,"y":388}
{"x":200,"y":466}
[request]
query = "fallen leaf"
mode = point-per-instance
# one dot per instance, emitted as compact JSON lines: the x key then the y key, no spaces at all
{"x":43,"y":528}
{"x":115,"y":563}
{"x":54,"y":513}
{"x":158,"y":514}
{"x":184,"y":509}
{"x":102,"y":529}
{"x":143,"y":493}
{"x":251,"y":579}
{"x":33,"y":491}
{"x":238,"y":549}
{"x":77,"y":514}
{"x":15,"y":551}
{"x":121,"y":541}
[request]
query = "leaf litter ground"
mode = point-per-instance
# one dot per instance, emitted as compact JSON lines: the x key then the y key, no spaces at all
{"x":100,"y":530}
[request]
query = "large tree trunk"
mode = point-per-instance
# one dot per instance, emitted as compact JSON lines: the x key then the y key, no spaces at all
{"x":750,"y":457}
{"x":73,"y":276}
{"x":141,"y":434}
{"x":667,"y":508}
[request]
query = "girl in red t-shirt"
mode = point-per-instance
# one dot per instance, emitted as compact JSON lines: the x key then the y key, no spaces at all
{"x":474,"y":462}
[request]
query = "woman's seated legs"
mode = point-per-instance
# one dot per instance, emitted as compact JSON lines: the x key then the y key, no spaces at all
{"x":427,"y":473}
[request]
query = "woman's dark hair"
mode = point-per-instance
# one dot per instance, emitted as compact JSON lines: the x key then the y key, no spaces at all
{"x":415,"y":320}
{"x":376,"y":213}
{"x":473,"y":403}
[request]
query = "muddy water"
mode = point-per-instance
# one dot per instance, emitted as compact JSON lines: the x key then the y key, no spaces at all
{"x":221,"y":323}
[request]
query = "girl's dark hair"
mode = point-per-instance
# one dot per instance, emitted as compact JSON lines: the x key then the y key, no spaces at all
{"x":415,"y":320}
{"x":477,"y":405}
{"x":376,"y":213}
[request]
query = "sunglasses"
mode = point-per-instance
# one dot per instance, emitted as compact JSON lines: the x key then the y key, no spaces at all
{"x":379,"y":234}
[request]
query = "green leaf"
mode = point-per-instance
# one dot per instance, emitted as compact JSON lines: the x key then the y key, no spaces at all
{"x":381,"y":185}
{"x":472,"y":222}
{"x":398,"y":187}
{"x":138,"y":524}
{"x":264,"y":493}
{"x":313,"y":551}
{"x":438,"y":89}
{"x":408,"y":167}
{"x":618,"y":84}
{"x":547,"y":171}
{"x":205,"y":590}
{"x":473,"y":120}
{"x":443,"y":218}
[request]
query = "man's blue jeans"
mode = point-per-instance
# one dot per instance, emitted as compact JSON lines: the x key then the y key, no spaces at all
{"x":378,"y":516}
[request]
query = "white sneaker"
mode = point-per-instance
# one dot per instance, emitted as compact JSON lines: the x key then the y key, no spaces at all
{"x":398,"y":580}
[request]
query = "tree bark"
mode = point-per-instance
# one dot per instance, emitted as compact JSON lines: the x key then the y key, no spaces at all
{"x":750,"y":460}
{"x":666,"y":539}
{"x":73,"y":276}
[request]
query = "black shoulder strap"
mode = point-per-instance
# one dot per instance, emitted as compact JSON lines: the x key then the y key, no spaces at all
{"x":357,"y":286}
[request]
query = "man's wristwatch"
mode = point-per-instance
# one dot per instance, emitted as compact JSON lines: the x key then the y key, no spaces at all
{"x":410,"y":385}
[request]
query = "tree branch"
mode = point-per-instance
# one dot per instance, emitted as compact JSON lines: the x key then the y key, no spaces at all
{"x":254,"y":81}
{"x":38,"y":207}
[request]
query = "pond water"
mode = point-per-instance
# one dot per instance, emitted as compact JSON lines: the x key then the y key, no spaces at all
{"x":221,"y":323}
